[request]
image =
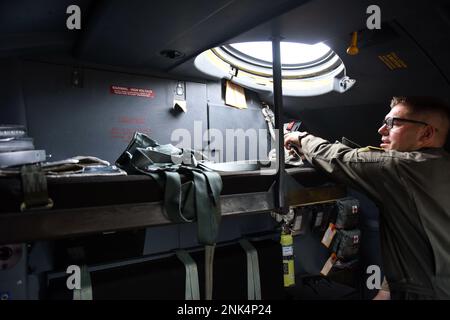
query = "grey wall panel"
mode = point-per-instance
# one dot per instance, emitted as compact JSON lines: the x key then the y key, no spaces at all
{"x":184,"y":235}
{"x":12,"y":108}
{"x":90,"y":120}
{"x":238,"y":126}
{"x":228,"y":120}
{"x":161,"y":239}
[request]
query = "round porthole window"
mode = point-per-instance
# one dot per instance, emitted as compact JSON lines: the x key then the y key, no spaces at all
{"x":307,"y":70}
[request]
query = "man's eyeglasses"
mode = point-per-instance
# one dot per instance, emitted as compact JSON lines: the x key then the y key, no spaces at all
{"x":389,"y":122}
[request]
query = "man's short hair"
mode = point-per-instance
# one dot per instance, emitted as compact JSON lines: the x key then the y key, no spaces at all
{"x":421,"y":104}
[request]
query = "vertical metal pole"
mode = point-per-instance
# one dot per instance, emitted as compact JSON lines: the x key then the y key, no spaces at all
{"x":280,"y":203}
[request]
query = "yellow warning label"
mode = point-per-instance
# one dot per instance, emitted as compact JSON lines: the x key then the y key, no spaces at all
{"x":392,"y":61}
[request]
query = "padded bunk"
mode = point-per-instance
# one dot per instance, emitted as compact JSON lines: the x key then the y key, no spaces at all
{"x":87,"y":205}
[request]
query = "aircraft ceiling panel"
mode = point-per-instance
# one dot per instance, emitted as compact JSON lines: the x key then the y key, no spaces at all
{"x":134,"y":33}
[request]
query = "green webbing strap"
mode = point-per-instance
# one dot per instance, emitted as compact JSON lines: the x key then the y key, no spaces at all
{"x":195,"y":200}
{"x":208,"y":215}
{"x":203,"y":197}
{"x":253,"y":279}
{"x":192,"y":291}
{"x":34,"y":188}
{"x":85,"y":292}
{"x":215,"y":184}
{"x":172,"y":199}
{"x":201,"y":200}
{"x":209,"y":263}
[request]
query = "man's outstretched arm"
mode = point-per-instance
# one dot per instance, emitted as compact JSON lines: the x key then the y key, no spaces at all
{"x":360,"y":168}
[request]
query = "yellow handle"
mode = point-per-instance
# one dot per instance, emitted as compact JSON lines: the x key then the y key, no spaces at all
{"x":353,"y":49}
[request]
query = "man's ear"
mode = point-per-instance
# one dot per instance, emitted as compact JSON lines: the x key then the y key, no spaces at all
{"x":427,"y":135}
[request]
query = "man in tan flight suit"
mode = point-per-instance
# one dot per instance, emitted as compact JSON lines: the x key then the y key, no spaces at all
{"x":409,"y":180}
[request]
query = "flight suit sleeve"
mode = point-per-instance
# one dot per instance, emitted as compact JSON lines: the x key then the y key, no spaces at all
{"x":359,"y":168}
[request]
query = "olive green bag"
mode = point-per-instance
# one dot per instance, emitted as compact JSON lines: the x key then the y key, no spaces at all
{"x":197,"y":198}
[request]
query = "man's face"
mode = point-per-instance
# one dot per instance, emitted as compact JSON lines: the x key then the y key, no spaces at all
{"x":403,"y":136}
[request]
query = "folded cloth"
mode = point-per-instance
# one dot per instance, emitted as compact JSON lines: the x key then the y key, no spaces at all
{"x":79,"y":166}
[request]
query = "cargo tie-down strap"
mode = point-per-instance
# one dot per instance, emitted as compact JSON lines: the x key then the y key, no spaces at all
{"x":85,"y":291}
{"x":195,"y":199}
{"x":253,"y":280}
{"x":209,"y":259}
{"x":34,"y":186}
{"x":192,"y":291}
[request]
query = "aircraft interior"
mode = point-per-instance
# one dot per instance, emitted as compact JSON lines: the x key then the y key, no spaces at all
{"x":141,"y":143}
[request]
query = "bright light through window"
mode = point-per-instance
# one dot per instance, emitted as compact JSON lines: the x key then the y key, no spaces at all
{"x":306,"y":70}
{"x":291,"y":53}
